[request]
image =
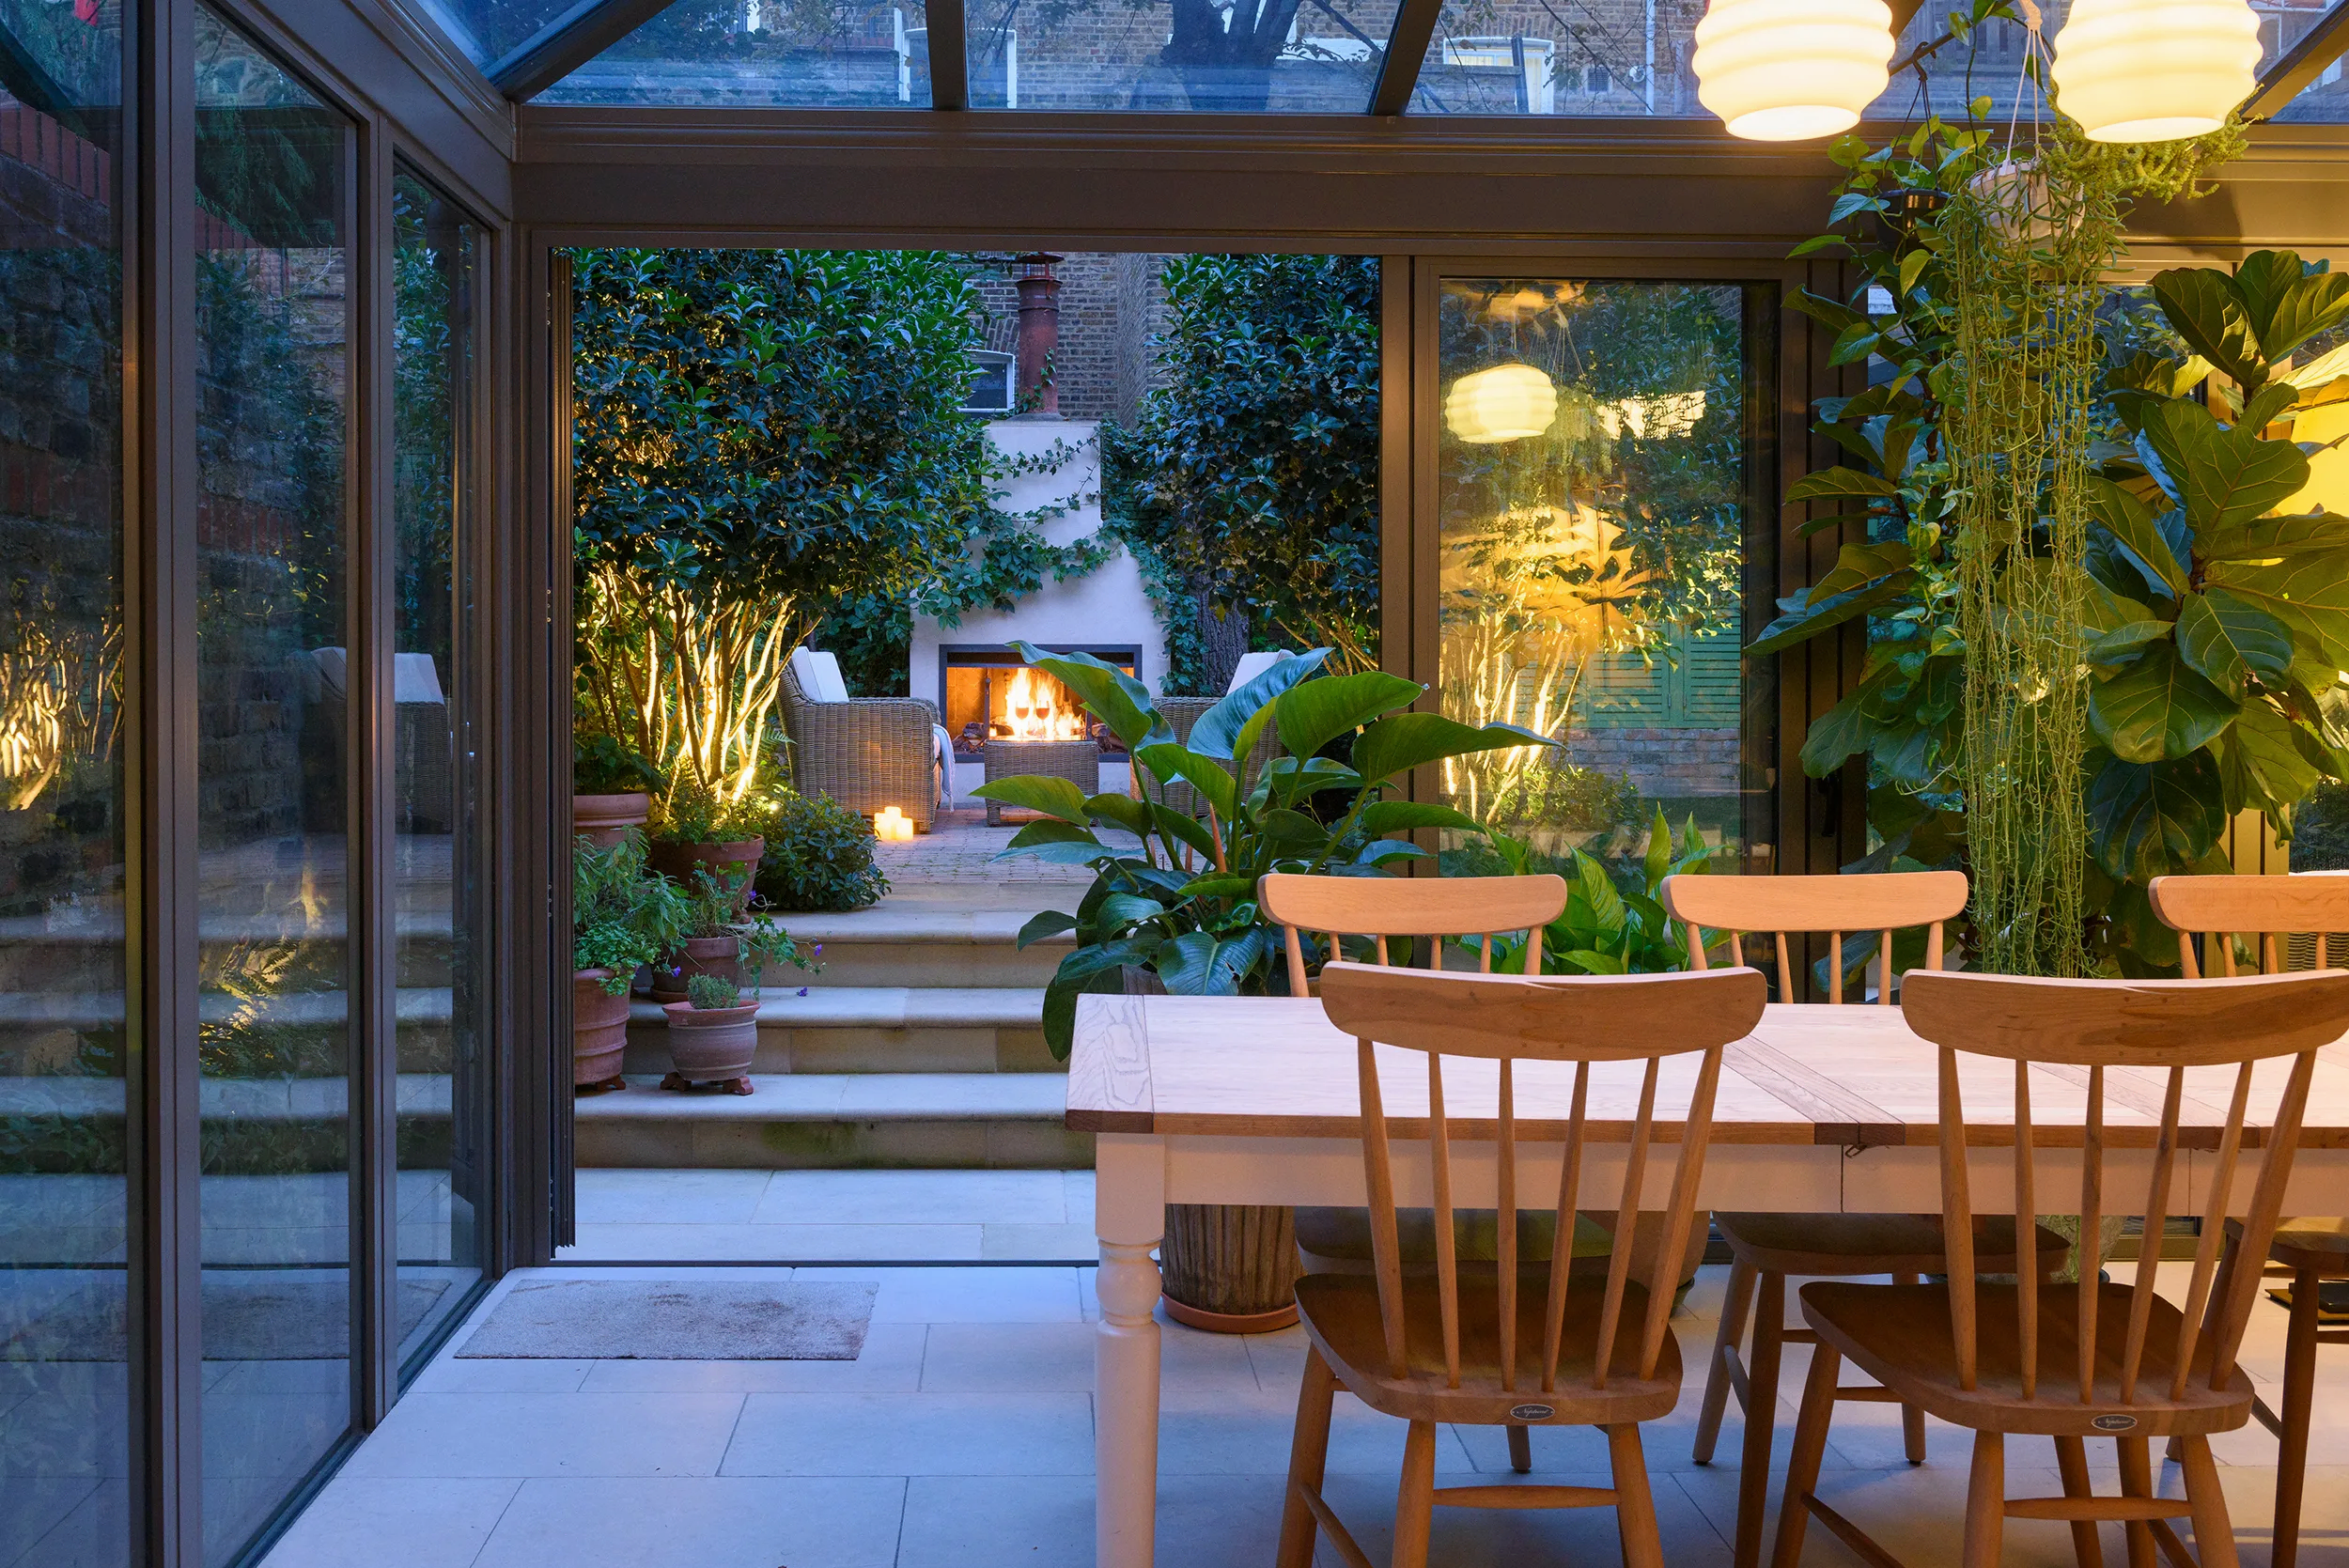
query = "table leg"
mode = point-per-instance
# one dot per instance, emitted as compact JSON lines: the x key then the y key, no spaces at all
{"x":1130,"y":1216}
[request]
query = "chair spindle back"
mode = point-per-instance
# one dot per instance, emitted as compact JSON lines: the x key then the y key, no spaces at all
{"x":1783,"y":906}
{"x":2262,"y":911}
{"x":1585,"y":1021}
{"x":1384,"y":907}
{"x":2127,"y":1030}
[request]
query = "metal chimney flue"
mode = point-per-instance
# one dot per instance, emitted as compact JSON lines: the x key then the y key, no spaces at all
{"x":1039,"y":334}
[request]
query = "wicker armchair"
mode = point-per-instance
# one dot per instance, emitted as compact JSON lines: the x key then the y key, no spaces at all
{"x":866,"y":754}
{"x":1184,"y":713}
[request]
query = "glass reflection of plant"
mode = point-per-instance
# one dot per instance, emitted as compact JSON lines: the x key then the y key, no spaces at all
{"x":1587,"y":541}
{"x":59,"y":696}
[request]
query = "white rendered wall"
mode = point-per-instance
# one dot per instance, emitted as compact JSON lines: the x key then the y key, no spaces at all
{"x":1107,"y":607}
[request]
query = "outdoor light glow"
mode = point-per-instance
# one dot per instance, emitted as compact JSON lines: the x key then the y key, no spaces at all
{"x":893,"y":826}
{"x":1038,"y":708}
{"x":2156,"y":71}
{"x":1509,"y":402}
{"x":1787,"y":71}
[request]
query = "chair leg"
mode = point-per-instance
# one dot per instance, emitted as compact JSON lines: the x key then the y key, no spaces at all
{"x":1802,"y":1468}
{"x":1415,"y":1500}
{"x":1735,"y":1306}
{"x":1912,"y":1419}
{"x":1309,"y":1455}
{"x":2213,"y":1536}
{"x":1520,"y":1451}
{"x":2292,"y":1450}
{"x":2137,"y":1481}
{"x":1986,"y":1503}
{"x":1635,"y":1506}
{"x":2088,"y":1548}
{"x":1754,"y":1465}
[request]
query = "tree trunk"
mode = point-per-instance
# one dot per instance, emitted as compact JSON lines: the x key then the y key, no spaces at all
{"x":1224,"y":638}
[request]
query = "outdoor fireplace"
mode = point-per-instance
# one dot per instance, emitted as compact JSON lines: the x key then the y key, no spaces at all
{"x":989,"y":693}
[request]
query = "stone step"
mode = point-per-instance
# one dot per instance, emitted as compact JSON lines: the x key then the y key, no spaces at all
{"x":876,"y":1029}
{"x":924,"y":946}
{"x":801,"y":1121}
{"x":36,"y":955}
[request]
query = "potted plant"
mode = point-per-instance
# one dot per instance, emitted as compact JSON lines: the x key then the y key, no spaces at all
{"x":697,"y":829}
{"x":612,"y":787}
{"x":713,"y":1036}
{"x":622,"y":916}
{"x":721,"y":939}
{"x":819,"y":856}
{"x":1178,"y":910}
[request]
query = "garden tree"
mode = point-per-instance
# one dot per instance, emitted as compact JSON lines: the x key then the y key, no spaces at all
{"x":758,"y":434}
{"x":1251,"y":487}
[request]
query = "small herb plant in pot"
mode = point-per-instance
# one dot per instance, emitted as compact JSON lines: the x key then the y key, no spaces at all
{"x":612,"y":789}
{"x":713,"y":1036}
{"x":697,"y":829}
{"x":722,"y":937}
{"x":622,"y":916}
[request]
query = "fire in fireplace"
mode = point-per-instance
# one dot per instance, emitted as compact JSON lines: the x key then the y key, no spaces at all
{"x":992,"y":695}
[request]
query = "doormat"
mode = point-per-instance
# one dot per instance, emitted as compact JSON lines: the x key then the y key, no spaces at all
{"x":677,"y":1320}
{"x":248,"y":1315}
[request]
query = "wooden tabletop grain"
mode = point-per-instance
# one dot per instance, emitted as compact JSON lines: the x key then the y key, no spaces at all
{"x":1854,"y":1077}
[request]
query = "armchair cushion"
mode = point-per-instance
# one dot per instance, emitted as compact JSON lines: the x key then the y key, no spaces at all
{"x":820,"y":676}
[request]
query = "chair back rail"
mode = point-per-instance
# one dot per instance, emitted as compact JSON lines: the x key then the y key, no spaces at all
{"x":1505,"y":1019}
{"x":2262,"y":911}
{"x":2104,"y":1026}
{"x":1384,"y":907}
{"x":1783,"y":906}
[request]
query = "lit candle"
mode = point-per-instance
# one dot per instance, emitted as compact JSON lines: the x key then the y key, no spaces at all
{"x":893,"y":826}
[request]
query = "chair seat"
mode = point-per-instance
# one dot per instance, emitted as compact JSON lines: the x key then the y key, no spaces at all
{"x":1337,"y":1240}
{"x":1339,"y":1313}
{"x":1900,"y":1335}
{"x":1844,"y":1244}
{"x":2321,"y":1243}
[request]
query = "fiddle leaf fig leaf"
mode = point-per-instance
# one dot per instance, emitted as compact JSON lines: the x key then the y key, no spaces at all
{"x":2305,"y":308}
{"x":2260,"y":763}
{"x":2144,"y":817}
{"x":2257,"y":637}
{"x":2131,"y":521}
{"x":2204,"y":643}
{"x":2207,"y":309}
{"x":2157,"y":708}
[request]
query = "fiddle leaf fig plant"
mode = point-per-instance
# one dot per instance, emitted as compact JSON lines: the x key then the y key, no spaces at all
{"x":2220,"y":622}
{"x":1174,"y":895}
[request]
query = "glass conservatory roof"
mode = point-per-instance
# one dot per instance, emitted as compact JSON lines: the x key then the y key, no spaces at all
{"x":1588,"y":58}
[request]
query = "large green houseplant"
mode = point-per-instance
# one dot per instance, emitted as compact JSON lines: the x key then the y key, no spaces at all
{"x":1173,"y":903}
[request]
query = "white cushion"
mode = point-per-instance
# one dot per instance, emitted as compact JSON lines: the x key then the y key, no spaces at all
{"x":1250,"y":665}
{"x":328,"y":675}
{"x":818,"y":676}
{"x":416,"y":681}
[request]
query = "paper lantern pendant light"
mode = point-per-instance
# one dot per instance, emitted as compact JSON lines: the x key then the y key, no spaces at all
{"x":2156,"y":71}
{"x":1509,"y":402}
{"x":1786,"y":71}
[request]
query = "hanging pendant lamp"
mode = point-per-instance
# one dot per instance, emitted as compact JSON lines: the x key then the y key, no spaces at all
{"x":1787,"y":71}
{"x":2156,"y":71}
{"x":1508,"y":402}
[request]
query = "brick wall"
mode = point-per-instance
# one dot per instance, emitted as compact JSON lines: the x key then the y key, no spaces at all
{"x":1110,"y":305}
{"x":1674,"y":764}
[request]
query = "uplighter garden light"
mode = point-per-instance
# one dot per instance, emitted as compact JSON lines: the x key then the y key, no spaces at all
{"x":1508,"y":402}
{"x":2156,"y":71}
{"x":1788,"y":71}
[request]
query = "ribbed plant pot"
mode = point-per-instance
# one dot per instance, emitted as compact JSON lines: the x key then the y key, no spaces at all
{"x":598,"y":1031}
{"x":1229,"y":1268}
{"x":676,"y":863}
{"x":718,"y":956}
{"x":711,"y":1045}
{"x":601,"y":819}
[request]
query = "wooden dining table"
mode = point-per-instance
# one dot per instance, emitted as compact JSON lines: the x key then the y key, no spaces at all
{"x":1820,"y":1111}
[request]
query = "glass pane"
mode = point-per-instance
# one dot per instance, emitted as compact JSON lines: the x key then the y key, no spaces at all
{"x":1944,"y":76}
{"x":2322,"y":101}
{"x":821,"y":54}
{"x":488,"y":30}
{"x":1487,"y":59}
{"x":272,"y":317}
{"x":1597,"y":537}
{"x":64,"y":1367}
{"x":1172,"y":55}
{"x":437,"y":282}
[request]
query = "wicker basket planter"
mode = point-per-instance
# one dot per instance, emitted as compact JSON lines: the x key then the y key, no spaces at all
{"x":600,"y":819}
{"x":1078,"y":761}
{"x":711,"y":1045}
{"x":676,"y":863}
{"x":718,"y":956}
{"x":598,"y":1031}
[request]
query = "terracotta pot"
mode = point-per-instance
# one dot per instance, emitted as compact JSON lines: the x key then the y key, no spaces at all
{"x":599,"y":1029}
{"x":712,"y":1044}
{"x":718,"y":956}
{"x":601,"y":819}
{"x":676,"y":862}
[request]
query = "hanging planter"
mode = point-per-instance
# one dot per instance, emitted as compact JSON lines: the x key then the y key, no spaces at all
{"x":2156,"y":71}
{"x":1792,"y":70}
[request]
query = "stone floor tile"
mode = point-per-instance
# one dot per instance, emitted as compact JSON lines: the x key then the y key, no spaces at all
{"x":915,"y":1197}
{"x":699,"y":1522}
{"x":671,"y":1197}
{"x":779,"y":1243}
{"x":1073,"y":1244}
{"x":451,"y":1373}
{"x":996,"y":1522}
{"x":923,"y":1433}
{"x":968,"y":1295}
{"x":414,"y":1523}
{"x":891,"y":1363}
{"x":669,"y":1433}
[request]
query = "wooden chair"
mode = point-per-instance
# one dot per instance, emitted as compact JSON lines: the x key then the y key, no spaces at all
{"x":1315,"y":912}
{"x":2090,"y":1358}
{"x":1768,"y":1247}
{"x":2261,"y":913}
{"x":1504,"y":1343}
